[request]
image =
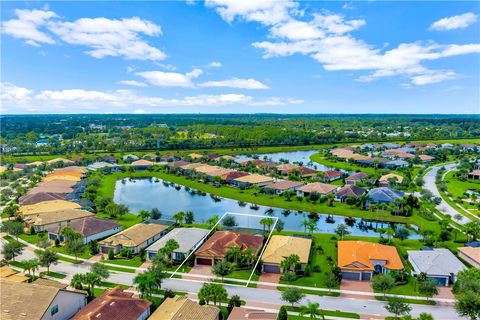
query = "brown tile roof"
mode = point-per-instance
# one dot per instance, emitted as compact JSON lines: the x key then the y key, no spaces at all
{"x":426,"y":157}
{"x":218,"y":244}
{"x":285,"y":185}
{"x":71,"y":169}
{"x":475,"y":172}
{"x":190,"y":166}
{"x":178,"y":163}
{"x":206,"y":168}
{"x":26,"y":300}
{"x":357,"y":176}
{"x":134,"y":235}
{"x":142,"y":162}
{"x":471,"y":252}
{"x":356,"y":255}
{"x":239,"y":313}
{"x":220,"y":172}
{"x":50,"y":283}
{"x":332,"y":173}
{"x":350,"y":190}
{"x":254,"y":178}
{"x":182,"y":308}
{"x":40,"y":197}
{"x":113,"y":304}
{"x":47,"y":218}
{"x":280,"y":247}
{"x":234,"y":175}
{"x":65,"y":161}
{"x":54,"y":186}
{"x":7,"y":273}
{"x":88,"y":226}
{"x":318,"y":187}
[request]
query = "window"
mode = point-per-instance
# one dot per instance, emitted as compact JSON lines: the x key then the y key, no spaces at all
{"x":54,"y":309}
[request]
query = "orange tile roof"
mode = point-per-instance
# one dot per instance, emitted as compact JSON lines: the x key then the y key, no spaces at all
{"x":357,"y":255}
{"x":218,"y":244}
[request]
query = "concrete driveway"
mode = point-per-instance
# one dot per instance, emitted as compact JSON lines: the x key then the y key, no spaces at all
{"x":352,"y":285}
{"x":270,"y":278}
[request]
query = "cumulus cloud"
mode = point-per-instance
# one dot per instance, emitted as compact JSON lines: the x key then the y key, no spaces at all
{"x":104,"y":37}
{"x":170,"y":79}
{"x":236,"y":83}
{"x":327,"y":38}
{"x":132,"y":83}
{"x":454,"y":22}
{"x":215,"y":64}
{"x":121,"y":100}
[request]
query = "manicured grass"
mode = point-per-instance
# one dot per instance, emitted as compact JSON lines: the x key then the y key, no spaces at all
{"x":113,"y":285}
{"x":328,"y":313}
{"x":319,"y":158}
{"x":413,"y":301}
{"x":11,"y":239}
{"x":108,"y":185}
{"x":70,"y":260}
{"x":456,"y":187}
{"x":31,"y":238}
{"x":85,"y":255}
{"x":134,"y":262}
{"x":119,"y":269}
{"x":54,"y":274}
{"x":127,"y":220}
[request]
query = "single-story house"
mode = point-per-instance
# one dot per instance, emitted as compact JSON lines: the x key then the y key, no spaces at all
{"x":109,"y":159}
{"x":384,"y":180}
{"x":29,"y":199}
{"x":35,"y":301}
{"x":231,"y":176}
{"x":286,"y":168}
{"x":190,"y":166}
{"x":91,"y":228}
{"x":134,"y":238}
{"x":281,"y":247}
{"x":470,"y":255}
{"x":178,"y":164}
{"x":281,"y":186}
{"x":7,"y":273}
{"x":253,"y":180}
{"x":216,"y":247}
{"x":180,"y":307}
{"x":349,"y":190}
{"x":130,"y":157}
{"x":439,"y":264}
{"x":107,"y":166}
{"x":142,"y":164}
{"x":332,"y":175}
{"x":206,"y":168}
{"x":77,"y":169}
{"x":188,"y":239}
{"x":225,"y":157}
{"x":169,"y":157}
{"x":360,"y":260}
{"x":218,"y":173}
{"x":241,"y":313}
{"x":355,"y":177}
{"x":73,"y":176}
{"x":399,"y":163}
{"x":115,"y":303}
{"x":151,"y":156}
{"x":54,"y":186}
{"x":384,"y":195}
{"x":61,"y":218}
{"x":47,"y":206}
{"x":316,"y":187}
{"x":475,"y":174}
{"x":426,"y":158}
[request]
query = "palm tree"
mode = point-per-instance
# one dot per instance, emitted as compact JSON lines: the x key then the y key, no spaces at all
{"x":312,"y":226}
{"x":312,"y":309}
{"x":390,"y":233}
{"x":267,"y":222}
{"x":77,"y":281}
{"x":304,"y":224}
{"x":233,"y":253}
{"x":148,"y":281}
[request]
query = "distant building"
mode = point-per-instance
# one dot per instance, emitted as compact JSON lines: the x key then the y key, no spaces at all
{"x":384,"y":195}
{"x":182,"y":308}
{"x":355,"y":177}
{"x":470,"y":255}
{"x":316,"y":187}
{"x":285,"y":185}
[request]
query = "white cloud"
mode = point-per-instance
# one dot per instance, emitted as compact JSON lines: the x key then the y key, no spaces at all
{"x":133,"y":83}
{"x":454,"y":22}
{"x":139,"y":111}
{"x":104,"y":37}
{"x":326,"y":38}
{"x":26,"y":26}
{"x":170,"y":79}
{"x":82,"y":100}
{"x":215,"y":64}
{"x":235,"y":83}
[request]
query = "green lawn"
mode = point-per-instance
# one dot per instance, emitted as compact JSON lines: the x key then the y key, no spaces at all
{"x":134,"y":262}
{"x":328,"y":313}
{"x":54,"y":274}
{"x":127,"y":220}
{"x":85,"y":255}
{"x":31,"y":238}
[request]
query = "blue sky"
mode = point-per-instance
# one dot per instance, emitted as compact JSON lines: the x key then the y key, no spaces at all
{"x":248,"y":56}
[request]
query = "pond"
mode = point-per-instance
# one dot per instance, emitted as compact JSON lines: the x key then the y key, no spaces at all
{"x":145,"y":194}
{"x":292,"y":156}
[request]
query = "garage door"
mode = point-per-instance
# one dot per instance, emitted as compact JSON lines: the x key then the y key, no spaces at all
{"x":271,"y":268}
{"x":203,"y":261}
{"x":350,"y":275}
{"x":366,"y":276}
{"x":440,"y":281}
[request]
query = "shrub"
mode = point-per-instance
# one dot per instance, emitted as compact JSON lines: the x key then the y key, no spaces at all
{"x":201,"y":301}
{"x":57,"y":242}
{"x":316,"y":268}
{"x":93,"y":247}
{"x":289,"y":276}
{"x":307,"y":271}
{"x":111,"y":254}
{"x":282,"y":314}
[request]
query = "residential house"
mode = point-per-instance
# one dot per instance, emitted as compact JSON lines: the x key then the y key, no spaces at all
{"x":349,"y":190}
{"x":215,"y":248}
{"x":73,"y":176}
{"x":76,"y":169}
{"x":446,"y":145}
{"x":103,"y":165}
{"x":54,"y":186}
{"x":134,"y":238}
{"x":188,"y":239}
{"x":467,"y":147}
{"x":439,"y":264}
{"x":355,"y":177}
{"x":58,"y":161}
{"x":182,"y":308}
{"x":253,"y":180}
{"x":398,"y":163}
{"x":151,"y":156}
{"x":7,"y":273}
{"x":470,"y":255}
{"x":332,"y":175}
{"x":115,"y":303}
{"x":109,"y":159}
{"x":281,"y":247}
{"x":29,"y":199}
{"x":386,"y":180}
{"x":47,"y":206}
{"x":231,"y":176}
{"x":91,"y":228}
{"x":32,"y":301}
{"x":142,"y":164}
{"x":281,"y":186}
{"x":360,"y":260}
{"x":384,"y":195}
{"x":169,"y":157}
{"x":475,"y":174}
{"x":61,"y":218}
{"x":316,"y":187}
{"x":130,"y":157}
{"x":178,"y":164}
{"x":426,"y":158}
{"x":195,"y":156}
{"x":241,"y":313}
{"x":218,"y":173}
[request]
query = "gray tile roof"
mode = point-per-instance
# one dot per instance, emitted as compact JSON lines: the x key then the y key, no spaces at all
{"x":384,"y":194}
{"x":187,"y":238}
{"x":435,"y":262}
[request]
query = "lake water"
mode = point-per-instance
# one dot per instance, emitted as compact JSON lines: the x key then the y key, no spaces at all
{"x":140,"y":194}
{"x":292,"y":156}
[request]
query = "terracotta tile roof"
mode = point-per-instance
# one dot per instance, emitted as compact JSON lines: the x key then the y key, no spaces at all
{"x":350,"y":190}
{"x":280,"y":247}
{"x":333,"y":173}
{"x":192,"y":165}
{"x":26,"y":300}
{"x":220,"y":172}
{"x":218,"y":244}
{"x":234,"y":175}
{"x":254,"y":178}
{"x":54,"y":186}
{"x":47,"y":218}
{"x":389,"y":176}
{"x":251,"y":314}
{"x":47,"y":206}
{"x":318,"y":187}
{"x":426,"y":157}
{"x":178,"y":163}
{"x":285,"y":185}
{"x":142,"y":162}
{"x":357,"y":176}
{"x":76,"y":169}
{"x":134,"y":235}
{"x":475,"y":173}
{"x":113,"y":304}
{"x":88,"y":226}
{"x":182,"y":308}
{"x":471,"y":252}
{"x":40,"y":197}
{"x":356,"y":255}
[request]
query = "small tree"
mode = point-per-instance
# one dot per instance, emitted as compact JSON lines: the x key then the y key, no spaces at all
{"x":144,"y":215}
{"x":383,"y":282}
{"x":13,"y":228}
{"x":212,"y":292}
{"x":11,"y":250}
{"x":189,"y":217}
{"x":229,"y":221}
{"x":142,"y":254}
{"x":93,"y":247}
{"x":234,"y":302}
{"x":292,"y":295}
{"x":267,"y":223}
{"x":222,"y":269}
{"x":428,"y":288}
{"x":398,"y":308}
{"x":111,"y":254}
{"x":212,"y":220}
{"x":342,"y":230}
{"x":75,"y":247}
{"x":468,"y":305}
{"x":47,"y":258}
{"x":155,"y":214}
{"x":280,"y":225}
{"x":331,"y":281}
{"x":100,"y":269}
{"x":282,"y":314}
{"x":312,"y":309}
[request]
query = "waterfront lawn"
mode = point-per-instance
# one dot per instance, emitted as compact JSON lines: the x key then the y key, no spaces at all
{"x":126,"y":221}
{"x":319,"y":158}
